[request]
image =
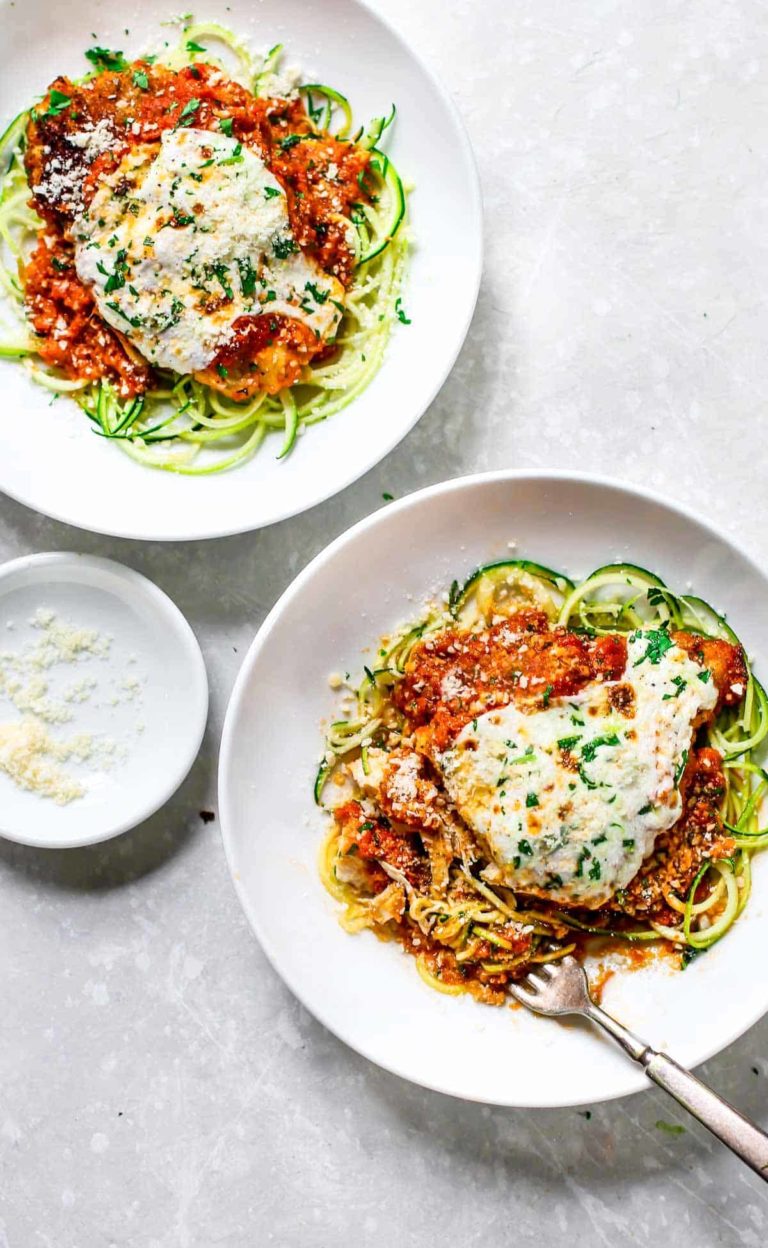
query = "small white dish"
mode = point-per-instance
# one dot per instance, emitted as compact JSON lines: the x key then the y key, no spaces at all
{"x":53,"y":462}
{"x":139,"y":692}
{"x":372,"y":578}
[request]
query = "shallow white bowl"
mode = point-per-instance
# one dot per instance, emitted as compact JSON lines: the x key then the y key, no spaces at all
{"x":51,"y":459}
{"x":368,"y":993}
{"x":151,"y":697}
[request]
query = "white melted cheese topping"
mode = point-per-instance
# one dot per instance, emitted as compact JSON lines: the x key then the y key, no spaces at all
{"x":180,"y":241}
{"x":578,"y":833}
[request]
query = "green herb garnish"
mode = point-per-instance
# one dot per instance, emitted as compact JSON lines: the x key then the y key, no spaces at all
{"x":188,"y":111}
{"x":104,"y":58}
{"x":400,"y":313}
{"x":57,"y":102}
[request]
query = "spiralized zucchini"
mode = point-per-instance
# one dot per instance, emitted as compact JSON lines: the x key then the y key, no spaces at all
{"x":186,"y":427}
{"x":618,"y":598}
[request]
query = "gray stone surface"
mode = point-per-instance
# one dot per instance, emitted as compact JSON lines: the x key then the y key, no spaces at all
{"x":159,"y":1087}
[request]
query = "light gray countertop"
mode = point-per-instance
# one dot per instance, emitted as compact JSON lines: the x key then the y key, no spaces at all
{"x":159,"y":1087}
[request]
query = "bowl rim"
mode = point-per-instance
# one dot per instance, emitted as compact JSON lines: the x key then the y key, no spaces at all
{"x":321,"y":495}
{"x":635,"y":1081}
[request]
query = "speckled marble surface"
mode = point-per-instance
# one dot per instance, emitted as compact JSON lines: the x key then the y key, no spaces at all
{"x":158,"y":1085}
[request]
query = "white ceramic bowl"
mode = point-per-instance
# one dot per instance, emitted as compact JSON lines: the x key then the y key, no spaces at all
{"x":368,"y":993}
{"x":149,"y":695}
{"x":51,"y":459}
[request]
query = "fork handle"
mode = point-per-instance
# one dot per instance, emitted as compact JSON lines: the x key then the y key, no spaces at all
{"x":725,"y":1122}
{"x":730,"y":1127}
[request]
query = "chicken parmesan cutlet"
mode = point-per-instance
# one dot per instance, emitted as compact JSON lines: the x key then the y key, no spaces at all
{"x":512,"y":783}
{"x":196,"y":222}
{"x":210,"y":239}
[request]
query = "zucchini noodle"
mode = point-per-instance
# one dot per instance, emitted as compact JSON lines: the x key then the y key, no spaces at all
{"x":185,"y":426}
{"x":468,"y":914}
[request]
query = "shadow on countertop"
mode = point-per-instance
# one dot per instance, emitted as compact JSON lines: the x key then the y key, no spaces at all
{"x":592,"y":1147}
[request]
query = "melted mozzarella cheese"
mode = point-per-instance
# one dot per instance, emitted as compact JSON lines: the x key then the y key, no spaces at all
{"x":570,"y":799}
{"x":180,"y":241}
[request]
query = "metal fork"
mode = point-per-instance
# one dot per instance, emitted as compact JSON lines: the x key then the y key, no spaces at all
{"x":562,"y":988}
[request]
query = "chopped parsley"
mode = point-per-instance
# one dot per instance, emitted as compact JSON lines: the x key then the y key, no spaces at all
{"x":57,"y":102}
{"x":291,"y":140}
{"x":550,"y":689}
{"x":531,"y":800}
{"x":188,"y":111}
{"x":589,"y":751}
{"x":583,"y":856}
{"x":681,"y":767}
{"x":194,"y":47}
{"x":671,"y":1128}
{"x":247,"y":278}
{"x":271,"y":192}
{"x":319,"y":296}
{"x":400,"y":313}
{"x":590,"y":784}
{"x":705,"y":676}
{"x":659,"y":641}
{"x":524,"y":847}
{"x":104,"y":58}
{"x":567,"y":743}
{"x":645,"y":810}
{"x":284,"y":247}
{"x":630,"y":844}
{"x":115,"y":279}
{"x":225,"y":125}
{"x":594,"y":870}
{"x":224,"y":372}
{"x":135,"y":321}
{"x":141,"y":80}
{"x":173,"y":317}
{"x":236,"y":157}
{"x":679,"y":682}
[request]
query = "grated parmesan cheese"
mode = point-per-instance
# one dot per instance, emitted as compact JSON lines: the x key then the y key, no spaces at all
{"x":29,"y":756}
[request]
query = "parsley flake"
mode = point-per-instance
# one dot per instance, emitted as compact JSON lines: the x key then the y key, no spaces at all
{"x":104,"y":58}
{"x":188,"y":111}
{"x":57,"y":102}
{"x":659,"y":641}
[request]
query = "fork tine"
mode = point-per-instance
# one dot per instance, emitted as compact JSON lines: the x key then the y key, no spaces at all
{"x":521,"y":993}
